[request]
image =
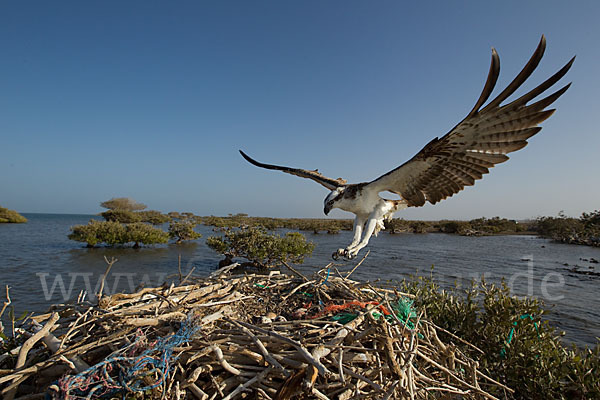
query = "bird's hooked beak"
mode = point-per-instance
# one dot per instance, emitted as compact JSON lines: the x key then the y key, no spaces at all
{"x":327,"y":209}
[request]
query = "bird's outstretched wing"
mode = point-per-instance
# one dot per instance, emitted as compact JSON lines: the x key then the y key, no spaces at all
{"x":315,"y":175}
{"x":445,"y":166}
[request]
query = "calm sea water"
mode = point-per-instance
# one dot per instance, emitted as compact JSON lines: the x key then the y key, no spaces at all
{"x":42,"y":266}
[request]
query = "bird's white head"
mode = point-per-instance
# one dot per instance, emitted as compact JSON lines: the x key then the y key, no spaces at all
{"x":332,"y":198}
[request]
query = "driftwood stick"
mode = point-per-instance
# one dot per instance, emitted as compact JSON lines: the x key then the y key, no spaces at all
{"x":179,"y":268}
{"x":110,"y":263}
{"x":284,"y":298}
{"x":188,"y":275}
{"x":9,"y":393}
{"x":27,"y":371}
{"x":73,"y":327}
{"x":7,"y":302}
{"x":222,"y":271}
{"x":76,"y":363}
{"x":341,"y":366}
{"x":391,"y":390}
{"x":29,"y":343}
{"x":484,"y":376}
{"x":295,"y":272}
{"x":261,"y":347}
{"x":217,"y":303}
{"x":363,"y":378}
{"x":196,"y":391}
{"x":455,"y":337}
{"x":301,"y":349}
{"x":447,"y":390}
{"x":219,"y":354}
{"x":357,"y":265}
{"x":257,"y":378}
{"x":451,"y":374}
{"x":319,"y":395}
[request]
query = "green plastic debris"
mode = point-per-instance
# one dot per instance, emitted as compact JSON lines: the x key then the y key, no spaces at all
{"x":404,"y":311}
{"x":512,"y":331}
{"x":344,"y":318}
{"x":261,"y":286}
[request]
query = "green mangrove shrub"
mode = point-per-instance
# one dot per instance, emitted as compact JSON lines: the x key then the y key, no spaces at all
{"x":114,"y":233}
{"x":183,"y":230}
{"x":141,"y":233}
{"x":261,"y":248}
{"x":122,"y":216}
{"x":420,"y":226}
{"x":122,"y":203}
{"x":396,"y":225}
{"x":96,"y":232}
{"x":496,"y":225}
{"x":153,"y":217}
{"x":582,"y":230}
{"x":520,"y":348}
{"x":315,"y":225}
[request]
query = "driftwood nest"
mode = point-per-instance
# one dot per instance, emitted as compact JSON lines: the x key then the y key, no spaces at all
{"x":274,"y":336}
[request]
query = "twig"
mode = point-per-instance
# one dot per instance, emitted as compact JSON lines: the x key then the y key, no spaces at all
{"x":357,"y":265}
{"x":7,"y":302}
{"x":246,"y":385}
{"x":294,"y":271}
{"x":284,"y":298}
{"x":110,"y":264}
{"x":9,"y":392}
{"x":188,"y":275}
{"x":179,"y":268}
{"x":453,"y":376}
{"x":260,"y":345}
{"x":199,"y":393}
{"x":222,"y":271}
{"x":219,"y":353}
{"x":320,"y":367}
{"x":455,"y":337}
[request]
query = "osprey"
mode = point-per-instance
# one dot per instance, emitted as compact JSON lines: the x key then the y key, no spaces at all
{"x":447,"y":164}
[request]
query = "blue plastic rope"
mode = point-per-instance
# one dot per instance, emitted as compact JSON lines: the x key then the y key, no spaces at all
{"x":121,"y":374}
{"x":327,"y":277}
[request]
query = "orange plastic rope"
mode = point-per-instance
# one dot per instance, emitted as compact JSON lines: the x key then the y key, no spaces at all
{"x":336,"y":308}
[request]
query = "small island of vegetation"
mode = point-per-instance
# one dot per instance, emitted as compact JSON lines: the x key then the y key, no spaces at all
{"x":583,"y":230}
{"x":127,"y":223}
{"x":11,"y":216}
{"x":261,"y":249}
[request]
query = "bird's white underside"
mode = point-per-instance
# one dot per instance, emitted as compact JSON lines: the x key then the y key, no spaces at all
{"x":371,"y":211}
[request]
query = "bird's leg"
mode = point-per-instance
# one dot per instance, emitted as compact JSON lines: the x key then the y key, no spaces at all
{"x":351,"y":252}
{"x":358,"y":227}
{"x":371,"y":224}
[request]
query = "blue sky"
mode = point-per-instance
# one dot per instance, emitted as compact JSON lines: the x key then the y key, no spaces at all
{"x":152,"y":100}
